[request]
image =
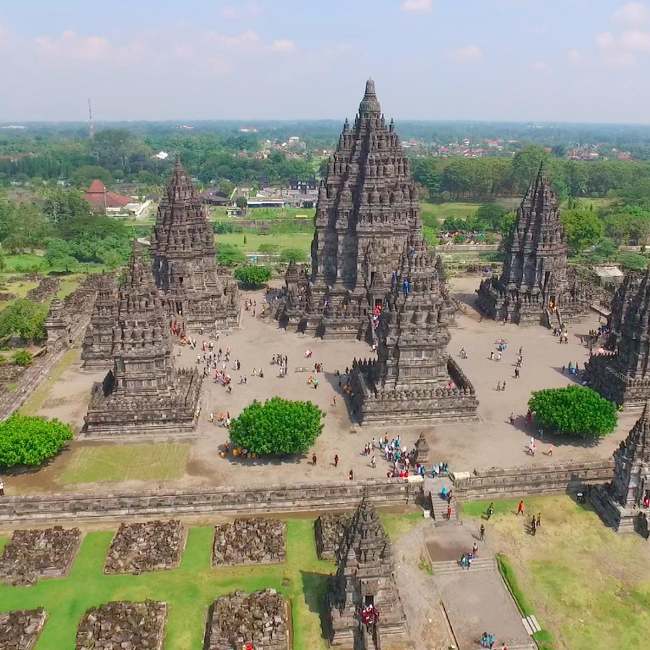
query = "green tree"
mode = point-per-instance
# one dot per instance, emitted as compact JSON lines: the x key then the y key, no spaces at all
{"x":489,"y":216}
{"x":583,"y":227}
{"x":633,"y":261}
{"x":525,"y":166}
{"x":31,"y":440}
{"x":61,"y":206}
{"x":23,"y":318}
{"x":293,"y":255}
{"x":252,"y":277}
{"x":278,"y":427}
{"x":85,"y":174}
{"x":575,"y":411}
{"x":59,"y":255}
{"x":229,"y":255}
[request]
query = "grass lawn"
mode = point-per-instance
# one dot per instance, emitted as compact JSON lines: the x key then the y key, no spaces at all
{"x":119,"y":462}
{"x":432,"y":212}
{"x":301,"y":240}
{"x":188,"y":590}
{"x":25,"y":262}
{"x":221,"y":214}
{"x":587,"y":585}
{"x":68,"y":283}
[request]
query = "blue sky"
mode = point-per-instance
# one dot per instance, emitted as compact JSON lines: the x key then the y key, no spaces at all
{"x":546,"y":60}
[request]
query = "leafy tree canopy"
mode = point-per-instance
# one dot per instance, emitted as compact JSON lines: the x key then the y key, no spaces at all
{"x":229,"y":255}
{"x":253,"y":276}
{"x":278,"y":427}
{"x":25,"y":319}
{"x":582,"y":226}
{"x":31,"y":440}
{"x":293,"y":255}
{"x":576,"y":411}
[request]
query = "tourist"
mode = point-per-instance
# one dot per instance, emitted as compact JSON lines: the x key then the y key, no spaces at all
{"x":351,"y":475}
{"x":539,"y":520}
{"x":490,"y":510}
{"x":481,"y":533}
{"x":512,"y":418}
{"x":372,"y":461}
{"x":521,"y":507}
{"x":336,"y":460}
{"x":2,"y":488}
{"x":503,"y":385}
{"x":475,"y":549}
{"x":449,"y":511}
{"x":533,"y":526}
{"x":498,"y":386}
{"x":313,"y":459}
{"x":516,"y":373}
{"x":491,"y":355}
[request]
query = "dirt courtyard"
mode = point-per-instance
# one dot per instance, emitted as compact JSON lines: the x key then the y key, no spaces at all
{"x":489,"y":441}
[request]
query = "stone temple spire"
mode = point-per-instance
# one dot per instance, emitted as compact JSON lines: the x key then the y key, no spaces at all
{"x":369,"y":106}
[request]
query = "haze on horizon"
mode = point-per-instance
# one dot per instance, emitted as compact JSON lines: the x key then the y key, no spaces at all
{"x":497,"y":60}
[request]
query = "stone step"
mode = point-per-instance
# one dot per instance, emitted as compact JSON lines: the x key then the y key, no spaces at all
{"x":452,"y":566}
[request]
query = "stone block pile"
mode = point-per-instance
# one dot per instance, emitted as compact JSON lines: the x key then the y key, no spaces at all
{"x":34,"y":554}
{"x":259,"y":618}
{"x":124,"y":626}
{"x":330,"y":533}
{"x":20,"y":630}
{"x":249,"y":541}
{"x":148,"y":546}
{"x":46,"y":288}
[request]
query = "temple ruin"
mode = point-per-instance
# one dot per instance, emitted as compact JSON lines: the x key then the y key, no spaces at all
{"x":413,"y":377}
{"x":184,"y":262}
{"x":143,"y":392}
{"x":620,"y":502}
{"x":367,"y":209}
{"x":96,"y":351}
{"x":536,"y":286}
{"x":365,"y":579}
{"x":621,"y":374}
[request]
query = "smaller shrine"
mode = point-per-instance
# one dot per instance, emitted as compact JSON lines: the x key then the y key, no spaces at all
{"x":96,"y":351}
{"x":364,"y":605}
{"x":56,"y":325}
{"x":624,"y":503}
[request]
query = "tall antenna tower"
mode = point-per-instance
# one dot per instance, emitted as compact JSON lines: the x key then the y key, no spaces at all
{"x":91,"y":124}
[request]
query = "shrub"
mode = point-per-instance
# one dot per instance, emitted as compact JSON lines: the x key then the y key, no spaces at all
{"x":293,"y":255}
{"x":575,"y":411}
{"x":22,"y":358}
{"x":229,"y":255}
{"x":277,"y":427}
{"x":253,"y":276}
{"x":25,"y":319}
{"x":28,"y":440}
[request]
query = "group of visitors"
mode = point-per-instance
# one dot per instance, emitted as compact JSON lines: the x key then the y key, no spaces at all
{"x":487,"y":640}
{"x":369,"y":615}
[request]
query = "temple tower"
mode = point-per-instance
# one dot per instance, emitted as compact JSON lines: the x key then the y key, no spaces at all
{"x":57,"y":327}
{"x":413,"y":377}
{"x":365,"y":577}
{"x":535,"y":285}
{"x":367,"y":208}
{"x":98,"y":340}
{"x":623,"y":376}
{"x":142,"y":393}
{"x":184,"y":263}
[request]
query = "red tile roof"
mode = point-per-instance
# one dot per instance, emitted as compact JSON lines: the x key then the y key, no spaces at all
{"x":99,"y":197}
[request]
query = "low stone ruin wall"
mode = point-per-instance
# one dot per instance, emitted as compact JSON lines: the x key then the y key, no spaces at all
{"x":149,"y":546}
{"x":250,"y":541}
{"x":299,"y":497}
{"x":123,"y":625}
{"x":259,"y":618}
{"x":34,"y":554}
{"x":330,"y":531}
{"x":46,"y":288}
{"x":523,"y":481}
{"x":20,"y":630}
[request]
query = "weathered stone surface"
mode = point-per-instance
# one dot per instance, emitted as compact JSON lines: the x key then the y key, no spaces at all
{"x":148,"y":546}
{"x":536,"y":286}
{"x":184,"y":263}
{"x":621,"y":375}
{"x":46,"y":288}
{"x":20,"y":630}
{"x":123,"y":626}
{"x":365,"y":577}
{"x":143,"y":393}
{"x":97,"y":345}
{"x":57,"y":325}
{"x":250,"y":541}
{"x":259,"y":618}
{"x":413,"y":377}
{"x":34,"y":554}
{"x":331,"y":531}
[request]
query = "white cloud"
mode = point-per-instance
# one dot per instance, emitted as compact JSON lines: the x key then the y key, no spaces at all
{"x":246,"y":10}
{"x":635,"y":40}
{"x":70,"y":45}
{"x":467,"y":54}
{"x":417,"y":6}
{"x":632,"y":13}
{"x":622,"y":49}
{"x":283,"y":45}
{"x":540,"y":66}
{"x":244,"y":40}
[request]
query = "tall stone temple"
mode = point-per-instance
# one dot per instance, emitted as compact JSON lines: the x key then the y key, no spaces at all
{"x":96,"y":351}
{"x":413,"y":377}
{"x":619,"y":503}
{"x":142,"y":393}
{"x":536,"y":286}
{"x":367,"y":209}
{"x":365,"y":577}
{"x":184,"y":263}
{"x":622,"y":374}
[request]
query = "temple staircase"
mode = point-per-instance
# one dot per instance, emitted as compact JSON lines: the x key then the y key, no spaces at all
{"x":439,"y":505}
{"x":369,"y":640}
{"x":453,"y":566}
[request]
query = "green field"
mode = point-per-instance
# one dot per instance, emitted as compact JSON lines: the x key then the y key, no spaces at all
{"x":188,"y":590}
{"x":587,"y":585}
{"x":144,"y":462}
{"x":221,"y":214}
{"x":301,"y":240}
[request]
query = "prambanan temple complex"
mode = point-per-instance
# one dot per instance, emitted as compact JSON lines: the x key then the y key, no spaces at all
{"x":142,"y":392}
{"x":536,"y":285}
{"x":364,"y":579}
{"x":413,"y":377}
{"x":367,"y":210}
{"x":184,"y":263}
{"x":98,"y":339}
{"x":621,"y":374}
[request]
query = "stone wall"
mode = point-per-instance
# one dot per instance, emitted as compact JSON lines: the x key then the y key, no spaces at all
{"x":523,"y":481}
{"x":294,"y":498}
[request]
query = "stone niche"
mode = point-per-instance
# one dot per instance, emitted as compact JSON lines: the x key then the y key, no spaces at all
{"x":124,"y":626}
{"x":34,"y":554}
{"x":20,"y":630}
{"x":330,"y":531}
{"x":148,"y":546}
{"x":238,"y":618}
{"x":249,"y":541}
